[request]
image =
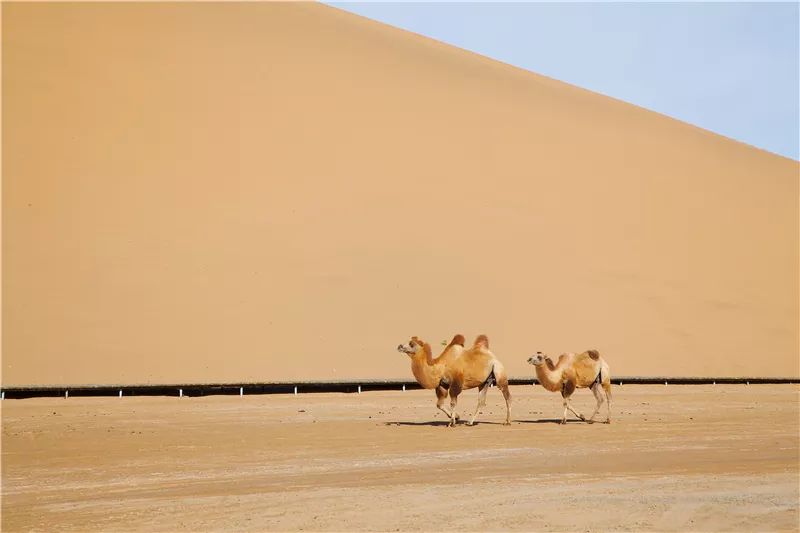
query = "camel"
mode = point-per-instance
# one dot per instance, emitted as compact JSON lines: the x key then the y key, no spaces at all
{"x":457,"y":369}
{"x":584,"y":370}
{"x":430,"y":372}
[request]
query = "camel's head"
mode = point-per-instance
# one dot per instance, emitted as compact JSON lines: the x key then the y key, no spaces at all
{"x":414,"y":346}
{"x":537,"y":359}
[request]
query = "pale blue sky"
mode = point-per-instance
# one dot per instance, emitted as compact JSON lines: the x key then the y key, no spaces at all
{"x":732,"y":68}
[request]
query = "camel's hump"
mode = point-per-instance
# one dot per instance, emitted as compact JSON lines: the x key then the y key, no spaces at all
{"x":481,"y":341}
{"x":457,"y":340}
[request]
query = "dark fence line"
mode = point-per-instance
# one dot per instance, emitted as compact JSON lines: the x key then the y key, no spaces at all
{"x":303,"y":387}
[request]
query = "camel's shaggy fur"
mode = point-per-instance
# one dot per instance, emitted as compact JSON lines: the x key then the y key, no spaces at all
{"x":584,"y":370}
{"x":457,"y":369}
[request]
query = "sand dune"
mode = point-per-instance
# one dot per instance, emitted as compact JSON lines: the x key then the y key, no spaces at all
{"x":252,"y":191}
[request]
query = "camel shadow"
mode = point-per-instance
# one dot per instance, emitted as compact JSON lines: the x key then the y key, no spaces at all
{"x":431,"y":423}
{"x":434,"y":423}
{"x":550,"y":421}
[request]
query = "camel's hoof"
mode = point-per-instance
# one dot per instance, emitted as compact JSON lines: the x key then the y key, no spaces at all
{"x":607,"y":422}
{"x":506,"y":423}
{"x":470,"y":423}
{"x":563,"y":422}
{"x":590,"y":421}
{"x":582,"y":417}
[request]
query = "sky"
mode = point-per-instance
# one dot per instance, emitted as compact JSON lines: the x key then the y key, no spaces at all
{"x":732,"y":68}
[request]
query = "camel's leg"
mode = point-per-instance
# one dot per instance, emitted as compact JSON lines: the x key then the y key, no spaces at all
{"x":502,"y":384}
{"x":566,"y":391}
{"x":441,"y":395}
{"x":481,"y":402}
{"x":607,"y":390}
{"x":574,"y":412}
{"x":598,"y":395}
{"x":455,"y":390}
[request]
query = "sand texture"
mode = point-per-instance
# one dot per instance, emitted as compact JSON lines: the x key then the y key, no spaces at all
{"x":677,"y":458}
{"x":212,"y":192}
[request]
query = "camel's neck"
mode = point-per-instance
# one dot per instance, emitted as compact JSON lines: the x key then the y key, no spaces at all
{"x":427,"y":374}
{"x":550,"y":376}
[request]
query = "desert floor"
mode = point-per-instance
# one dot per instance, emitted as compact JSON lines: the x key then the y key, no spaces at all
{"x":675,"y":458}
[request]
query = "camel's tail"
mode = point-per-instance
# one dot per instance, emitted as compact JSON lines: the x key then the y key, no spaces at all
{"x":499,"y":374}
{"x":605,"y":379}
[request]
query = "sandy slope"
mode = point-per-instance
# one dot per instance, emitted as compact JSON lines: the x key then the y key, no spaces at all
{"x":677,"y":458}
{"x":250,"y":191}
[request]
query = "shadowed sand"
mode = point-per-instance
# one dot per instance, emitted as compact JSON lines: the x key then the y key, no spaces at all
{"x":227,"y":192}
{"x":677,"y":458}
